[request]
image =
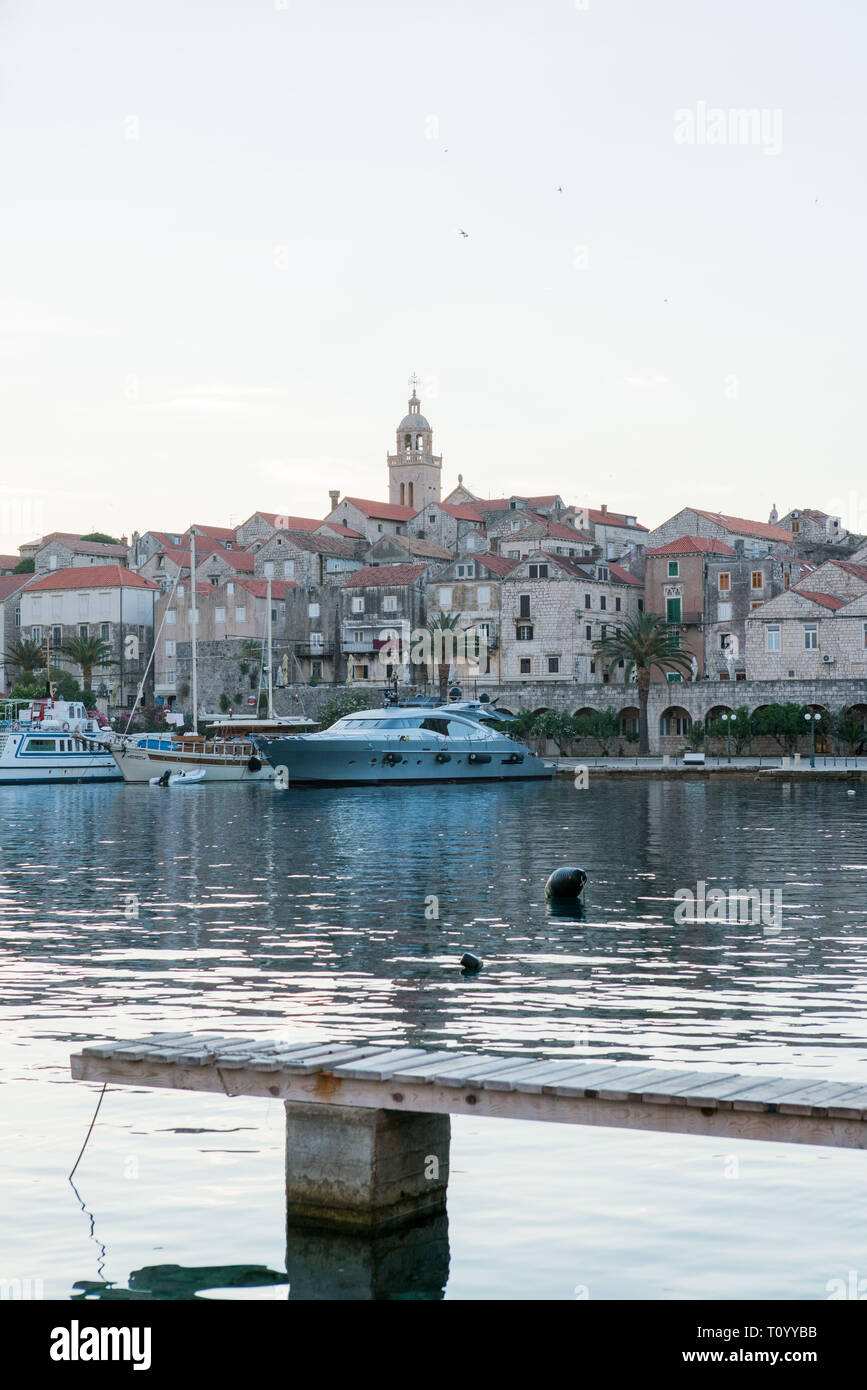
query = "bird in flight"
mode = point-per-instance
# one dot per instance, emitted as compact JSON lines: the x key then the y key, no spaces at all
{"x":461,"y":232}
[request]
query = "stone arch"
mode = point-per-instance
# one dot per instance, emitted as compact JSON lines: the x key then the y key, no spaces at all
{"x":585,"y":712}
{"x":716,"y":712}
{"x":629,"y":719}
{"x":674,"y":722}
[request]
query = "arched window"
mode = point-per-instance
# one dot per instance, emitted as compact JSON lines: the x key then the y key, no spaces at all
{"x":407,"y":441}
{"x":410,"y":502}
{"x":401,"y":494}
{"x":419,"y":442}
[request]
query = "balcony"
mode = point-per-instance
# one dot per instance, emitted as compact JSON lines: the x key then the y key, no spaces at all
{"x":315,"y":650}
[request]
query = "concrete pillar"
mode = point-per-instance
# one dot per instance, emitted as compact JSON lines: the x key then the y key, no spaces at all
{"x":349,"y":1168}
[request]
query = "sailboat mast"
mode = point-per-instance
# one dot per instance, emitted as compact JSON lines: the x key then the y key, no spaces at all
{"x":194,"y":627}
{"x":270,"y":660}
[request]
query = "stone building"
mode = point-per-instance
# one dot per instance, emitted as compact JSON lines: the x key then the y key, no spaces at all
{"x":615,"y":533}
{"x":808,"y":636}
{"x":308,"y":558}
{"x":395,"y":550}
{"x":233,"y":611}
{"x":10,"y":625}
{"x":452,"y":525}
{"x":519,"y":532}
{"x":380,"y":608}
{"x":312,"y":632}
{"x":471,"y":585}
{"x":414,"y":471}
{"x":758,"y":536}
{"x":554,"y":608}
{"x":369,"y":518}
{"x":735,"y":586}
{"x":61,"y":551}
{"x":808,"y":526}
{"x":108,"y":602}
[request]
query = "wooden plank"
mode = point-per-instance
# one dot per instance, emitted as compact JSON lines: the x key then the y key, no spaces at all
{"x":580,"y":1085}
{"x":620,"y":1088}
{"x":846,"y":1098}
{"x":380,"y":1067}
{"x":678,"y":1089}
{"x":530,"y":1074}
{"x":468,"y":1072}
{"x":423,"y":1071}
{"x":556,"y":1071}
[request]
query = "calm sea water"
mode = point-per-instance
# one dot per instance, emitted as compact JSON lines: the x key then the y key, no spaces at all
{"x":125,"y":910}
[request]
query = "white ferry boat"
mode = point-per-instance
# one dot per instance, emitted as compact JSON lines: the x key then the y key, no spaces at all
{"x":52,"y":741}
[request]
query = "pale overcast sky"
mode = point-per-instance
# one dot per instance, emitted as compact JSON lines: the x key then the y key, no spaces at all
{"x":229,"y":232}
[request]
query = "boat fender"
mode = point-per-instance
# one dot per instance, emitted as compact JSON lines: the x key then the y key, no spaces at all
{"x":470,"y":962}
{"x":444,"y":757}
{"x":392,"y":759}
{"x":65,"y":726}
{"x":479,"y":758}
{"x":566,"y":883}
{"x":253,"y":764}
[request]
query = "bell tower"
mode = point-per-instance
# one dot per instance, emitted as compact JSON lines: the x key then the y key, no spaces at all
{"x":414,"y":471}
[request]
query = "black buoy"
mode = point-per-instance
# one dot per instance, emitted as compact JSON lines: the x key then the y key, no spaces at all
{"x":565,"y":884}
{"x":471,"y":962}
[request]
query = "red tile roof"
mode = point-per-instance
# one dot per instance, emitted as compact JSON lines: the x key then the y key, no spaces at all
{"x":292,"y":523}
{"x":341,"y":530}
{"x":859,"y":571}
{"x":259,"y":587}
{"x":692,"y":545}
{"x":10,"y":583}
{"x":214,"y":533}
{"x":826,"y":600}
{"x":320,"y":545}
{"x":8,"y":562}
{"x":500,"y":564}
{"x":93,"y":577}
{"x":740,"y":526}
{"x":382,"y":511}
{"x":461,"y":511}
{"x":240,"y":560}
{"x":386,"y":576}
{"x":624,"y":576}
{"x":619,"y":519}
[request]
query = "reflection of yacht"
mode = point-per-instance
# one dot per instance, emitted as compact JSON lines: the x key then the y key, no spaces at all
{"x":403,"y":745}
{"x":52,"y":741}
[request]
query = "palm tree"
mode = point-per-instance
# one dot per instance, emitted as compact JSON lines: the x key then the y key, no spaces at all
{"x":438,"y":627}
{"x":644,"y":642}
{"x":27,"y":654}
{"x":87,"y":652}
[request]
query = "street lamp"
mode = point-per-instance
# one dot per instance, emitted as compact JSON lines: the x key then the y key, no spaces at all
{"x":728,"y":720}
{"x":812,"y":716}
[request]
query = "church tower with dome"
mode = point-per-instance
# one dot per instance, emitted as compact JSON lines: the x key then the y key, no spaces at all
{"x":414,"y":471}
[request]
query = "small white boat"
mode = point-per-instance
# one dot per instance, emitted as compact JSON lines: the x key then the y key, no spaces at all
{"x":179,"y":779}
{"x":50,"y":740}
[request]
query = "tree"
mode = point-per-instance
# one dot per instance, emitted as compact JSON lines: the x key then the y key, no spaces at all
{"x":695,"y":734}
{"x":555,"y":725}
{"x":87,"y":652}
{"x":340,"y":705}
{"x":739,"y":729}
{"x":102,"y":538}
{"x":849,"y":729}
{"x":27,"y":566}
{"x":438,"y":627}
{"x":783,"y":723}
{"x":644,"y":643}
{"x":602,"y":724}
{"x":26,"y":654}
{"x":63,"y":683}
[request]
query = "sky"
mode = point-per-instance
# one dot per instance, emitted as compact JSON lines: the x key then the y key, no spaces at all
{"x":230,"y":231}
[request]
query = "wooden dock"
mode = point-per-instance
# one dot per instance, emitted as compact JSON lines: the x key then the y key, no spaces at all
{"x":621,"y":1095}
